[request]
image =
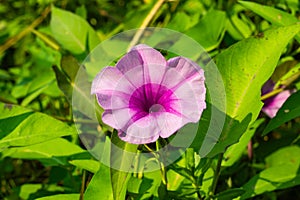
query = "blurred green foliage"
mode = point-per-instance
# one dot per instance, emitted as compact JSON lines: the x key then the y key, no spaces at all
{"x":41,"y":156}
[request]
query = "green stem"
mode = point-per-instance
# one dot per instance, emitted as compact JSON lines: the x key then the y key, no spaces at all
{"x":164,"y":174}
{"x":217,"y":174}
{"x":272,"y":93}
{"x":46,"y":39}
{"x":162,"y":166}
{"x":145,"y":23}
{"x":82,"y":185}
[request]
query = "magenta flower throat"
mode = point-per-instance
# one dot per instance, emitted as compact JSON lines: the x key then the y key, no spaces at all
{"x":146,"y":97}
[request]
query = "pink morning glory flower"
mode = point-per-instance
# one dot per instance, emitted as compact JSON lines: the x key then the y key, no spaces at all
{"x":146,"y":97}
{"x":273,"y":104}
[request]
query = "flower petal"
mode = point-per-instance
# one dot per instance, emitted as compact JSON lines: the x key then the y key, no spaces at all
{"x":169,"y":123}
{"x":191,"y":99}
{"x":186,"y":67}
{"x":119,"y":119}
{"x":186,"y":79}
{"x":113,"y":99}
{"x":142,"y":131}
{"x":107,"y":79}
{"x":112,"y":88}
{"x":272,"y":105}
{"x":150,"y":60}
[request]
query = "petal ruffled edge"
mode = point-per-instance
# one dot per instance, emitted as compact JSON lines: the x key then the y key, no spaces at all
{"x":107,"y":79}
{"x":148,"y":58}
{"x":188,"y":86}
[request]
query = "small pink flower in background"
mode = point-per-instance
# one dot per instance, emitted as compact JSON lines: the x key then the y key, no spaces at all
{"x":273,"y":104}
{"x":146,"y":97}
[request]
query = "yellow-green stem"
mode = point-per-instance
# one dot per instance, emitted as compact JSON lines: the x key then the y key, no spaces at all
{"x":145,"y":23}
{"x":271,"y":94}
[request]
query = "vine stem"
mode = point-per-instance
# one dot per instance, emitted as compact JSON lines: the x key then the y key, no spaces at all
{"x":272,"y":93}
{"x":163,"y":171}
{"x":145,"y":23}
{"x":217,"y":174}
{"x":82,"y":185}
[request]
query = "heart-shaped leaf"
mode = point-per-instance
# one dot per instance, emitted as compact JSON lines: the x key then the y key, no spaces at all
{"x":244,"y":68}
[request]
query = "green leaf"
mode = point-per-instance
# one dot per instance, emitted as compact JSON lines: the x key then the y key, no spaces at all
{"x":152,"y":189}
{"x":207,"y":181}
{"x":275,"y":16}
{"x":72,"y":31}
{"x":174,"y":179}
{"x":229,"y":194}
{"x":179,"y":22}
{"x":66,"y":77}
{"x":52,"y":152}
{"x":27,"y":189}
{"x":90,"y":165}
{"x":22,"y":127}
{"x":283,"y":172}
{"x":286,"y":73}
{"x":61,"y":197}
{"x":245,"y":67}
{"x":100,"y":187}
{"x":124,"y":161}
{"x":288,"y":111}
{"x":182,"y":171}
{"x":290,"y":154}
{"x":79,"y":95}
{"x":210,"y":30}
{"x":190,"y":159}
{"x":239,"y":26}
{"x":70,"y":67}
{"x":234,"y":152}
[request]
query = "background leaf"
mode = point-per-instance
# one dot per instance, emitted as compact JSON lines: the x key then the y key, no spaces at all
{"x":52,"y":152}
{"x":210,"y":29}
{"x":245,"y":67}
{"x":282,"y":172}
{"x":22,"y":127}
{"x":273,"y":15}
{"x":234,"y":152}
{"x":61,"y":197}
{"x":289,"y":110}
{"x":71,"y":31}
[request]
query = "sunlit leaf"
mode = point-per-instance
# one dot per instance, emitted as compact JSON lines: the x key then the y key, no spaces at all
{"x":53,"y":152}
{"x":27,"y":189}
{"x":283,"y":172}
{"x":22,"y":127}
{"x":245,"y":67}
{"x":90,"y":165}
{"x":60,"y":197}
{"x":72,"y":31}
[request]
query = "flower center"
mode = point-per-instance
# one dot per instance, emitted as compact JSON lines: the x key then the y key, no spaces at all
{"x":156,"y":108}
{"x":151,"y":98}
